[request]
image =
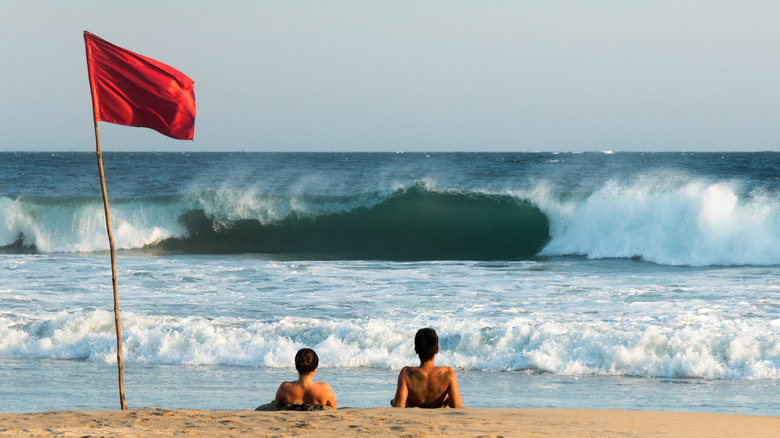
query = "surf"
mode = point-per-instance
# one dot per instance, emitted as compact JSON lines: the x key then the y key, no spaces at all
{"x":668,"y":219}
{"x":664,"y":216}
{"x":412,"y":223}
{"x":722,"y":350}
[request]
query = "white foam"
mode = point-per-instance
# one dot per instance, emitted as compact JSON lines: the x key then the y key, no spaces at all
{"x":717,"y":349}
{"x":666,"y":219}
{"x":80,"y":226}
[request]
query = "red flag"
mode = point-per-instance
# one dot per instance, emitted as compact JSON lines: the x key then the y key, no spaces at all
{"x":133,"y":90}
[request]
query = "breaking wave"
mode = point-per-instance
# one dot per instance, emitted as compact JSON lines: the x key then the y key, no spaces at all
{"x":719,"y":348}
{"x":414,"y":223}
{"x":661,"y":219}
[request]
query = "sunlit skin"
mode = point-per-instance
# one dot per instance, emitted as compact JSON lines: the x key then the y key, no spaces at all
{"x":305,"y":390}
{"x":427,"y":386}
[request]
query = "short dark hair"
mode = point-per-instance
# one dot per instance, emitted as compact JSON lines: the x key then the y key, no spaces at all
{"x":426,"y":343}
{"x":306,"y":360}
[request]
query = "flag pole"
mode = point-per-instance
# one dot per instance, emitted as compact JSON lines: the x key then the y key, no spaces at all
{"x":120,"y":365}
{"x":93,"y":92}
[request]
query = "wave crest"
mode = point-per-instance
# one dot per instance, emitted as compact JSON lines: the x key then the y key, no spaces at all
{"x":413,"y":223}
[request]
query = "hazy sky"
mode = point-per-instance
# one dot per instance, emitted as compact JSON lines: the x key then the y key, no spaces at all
{"x":409,"y":75}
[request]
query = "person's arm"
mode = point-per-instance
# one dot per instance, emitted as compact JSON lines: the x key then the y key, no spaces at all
{"x":453,"y":392}
{"x":331,"y":397}
{"x":401,"y":391}
{"x":281,"y":393}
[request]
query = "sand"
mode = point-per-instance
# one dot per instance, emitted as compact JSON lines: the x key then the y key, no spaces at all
{"x":150,"y":422}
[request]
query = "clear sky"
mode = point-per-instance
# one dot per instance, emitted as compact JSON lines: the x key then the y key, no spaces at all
{"x":420,"y":75}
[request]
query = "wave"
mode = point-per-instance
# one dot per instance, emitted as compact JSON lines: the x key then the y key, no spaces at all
{"x":413,"y":223}
{"x":661,"y":218}
{"x":46,"y":224}
{"x":669,"y":220}
{"x":719,"y":349}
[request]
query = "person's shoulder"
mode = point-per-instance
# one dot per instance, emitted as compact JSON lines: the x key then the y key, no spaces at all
{"x":324,"y":385}
{"x":405,"y":370}
{"x":447,"y":371}
{"x":405,"y":373}
{"x":287,"y":386}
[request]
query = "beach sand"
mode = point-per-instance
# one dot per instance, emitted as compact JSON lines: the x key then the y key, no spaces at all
{"x":386,"y":422}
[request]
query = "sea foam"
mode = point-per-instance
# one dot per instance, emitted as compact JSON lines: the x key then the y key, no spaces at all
{"x":694,"y":223}
{"x":710,"y":349}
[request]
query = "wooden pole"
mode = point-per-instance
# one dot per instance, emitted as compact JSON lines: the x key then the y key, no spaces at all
{"x":93,"y":92}
{"x":120,"y":365}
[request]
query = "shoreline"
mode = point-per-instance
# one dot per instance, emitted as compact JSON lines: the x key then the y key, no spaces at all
{"x":386,"y":421}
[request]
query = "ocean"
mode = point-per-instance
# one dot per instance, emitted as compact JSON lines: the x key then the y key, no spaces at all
{"x":555,"y":280}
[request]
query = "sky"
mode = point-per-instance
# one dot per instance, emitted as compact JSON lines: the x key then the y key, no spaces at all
{"x":409,"y":76}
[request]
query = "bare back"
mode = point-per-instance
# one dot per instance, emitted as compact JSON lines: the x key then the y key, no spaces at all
{"x":307,"y":391}
{"x":427,"y":386}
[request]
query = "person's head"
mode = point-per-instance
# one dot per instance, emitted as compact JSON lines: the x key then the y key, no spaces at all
{"x":426,"y":343}
{"x":306,"y":361}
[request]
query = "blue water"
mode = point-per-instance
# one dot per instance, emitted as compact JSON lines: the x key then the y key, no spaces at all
{"x":623,"y":281}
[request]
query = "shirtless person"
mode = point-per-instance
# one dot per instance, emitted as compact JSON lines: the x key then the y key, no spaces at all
{"x":305,"y":391}
{"x":427,"y":386}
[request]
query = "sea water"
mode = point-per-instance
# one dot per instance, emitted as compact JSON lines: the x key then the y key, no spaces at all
{"x":595,"y":280}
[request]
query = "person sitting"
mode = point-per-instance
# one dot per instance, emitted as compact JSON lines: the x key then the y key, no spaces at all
{"x":304,"y":394}
{"x":427,"y":386}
